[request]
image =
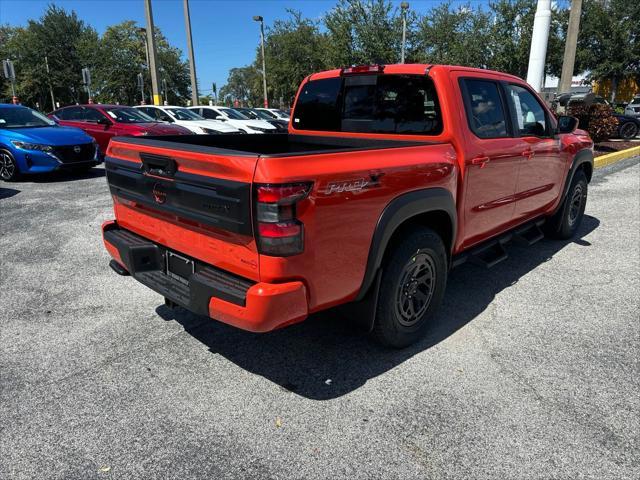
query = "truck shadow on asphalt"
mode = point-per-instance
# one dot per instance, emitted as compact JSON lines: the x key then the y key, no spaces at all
{"x":8,"y":192}
{"x":326,"y":356}
{"x":65,"y":176}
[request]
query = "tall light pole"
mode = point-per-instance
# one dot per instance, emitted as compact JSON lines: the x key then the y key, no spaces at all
{"x":53,"y":100}
{"x":569,"y":60}
{"x":258,"y":18}
{"x":539,"y":40}
{"x":151,"y":44}
{"x":192,"y":61}
{"x":404,"y":6}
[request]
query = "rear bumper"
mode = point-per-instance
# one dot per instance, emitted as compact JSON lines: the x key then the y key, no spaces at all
{"x":257,"y":307}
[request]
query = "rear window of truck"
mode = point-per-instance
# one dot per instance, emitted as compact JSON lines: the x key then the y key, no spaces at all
{"x":401,"y":104}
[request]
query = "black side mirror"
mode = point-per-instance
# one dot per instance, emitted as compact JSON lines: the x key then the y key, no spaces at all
{"x":567,"y":124}
{"x":104,"y":121}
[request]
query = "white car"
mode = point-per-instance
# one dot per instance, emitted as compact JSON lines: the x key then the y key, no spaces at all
{"x":234,"y":118}
{"x":276,"y":113}
{"x":186,"y":118}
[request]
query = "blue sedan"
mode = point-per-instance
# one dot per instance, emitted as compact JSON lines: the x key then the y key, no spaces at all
{"x":32,"y":143}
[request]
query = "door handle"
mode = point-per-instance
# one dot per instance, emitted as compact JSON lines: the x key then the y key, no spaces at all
{"x":480,"y":160}
{"x":528,"y":153}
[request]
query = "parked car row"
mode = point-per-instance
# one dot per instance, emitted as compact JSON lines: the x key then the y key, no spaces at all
{"x":76,"y":137}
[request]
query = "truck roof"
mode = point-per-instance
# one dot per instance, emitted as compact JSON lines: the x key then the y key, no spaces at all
{"x":412,"y":68}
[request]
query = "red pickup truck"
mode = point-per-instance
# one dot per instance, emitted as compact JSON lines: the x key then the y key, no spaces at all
{"x":389,"y":176}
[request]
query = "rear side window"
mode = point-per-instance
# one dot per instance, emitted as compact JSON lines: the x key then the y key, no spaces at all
{"x":72,"y":113}
{"x":484,"y":107}
{"x":401,"y":104}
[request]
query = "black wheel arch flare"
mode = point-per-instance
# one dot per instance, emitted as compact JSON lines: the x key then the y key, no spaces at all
{"x":395,"y":214}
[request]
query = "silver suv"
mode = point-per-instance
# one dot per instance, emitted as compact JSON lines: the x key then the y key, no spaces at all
{"x":633,"y":108}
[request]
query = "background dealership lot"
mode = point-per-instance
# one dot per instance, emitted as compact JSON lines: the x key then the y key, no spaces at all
{"x":532,"y":373}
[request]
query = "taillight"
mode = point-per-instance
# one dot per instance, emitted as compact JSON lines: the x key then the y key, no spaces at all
{"x":279,"y":232}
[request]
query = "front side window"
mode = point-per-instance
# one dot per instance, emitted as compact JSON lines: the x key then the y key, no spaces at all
{"x":23,"y":117}
{"x":400,"y":104}
{"x":129,"y":115}
{"x":184,"y":114}
{"x":530,"y":116}
{"x":91,"y":115}
{"x":232,"y":114}
{"x":485,"y":111}
{"x":209,"y":114}
{"x":157,"y":114}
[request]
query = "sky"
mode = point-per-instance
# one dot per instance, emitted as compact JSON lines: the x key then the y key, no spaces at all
{"x":224,"y":34}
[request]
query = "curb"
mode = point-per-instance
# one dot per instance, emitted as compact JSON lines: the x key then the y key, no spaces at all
{"x":609,"y":158}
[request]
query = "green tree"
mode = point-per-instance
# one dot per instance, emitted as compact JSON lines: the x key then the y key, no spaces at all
{"x":69,"y":45}
{"x":244,"y":84}
{"x":609,"y":41}
{"x":123,"y":57}
{"x":293,"y":49}
{"x":454,"y":36}
{"x":364,"y":32}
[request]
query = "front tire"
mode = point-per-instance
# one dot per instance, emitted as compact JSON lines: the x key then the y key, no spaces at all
{"x":413,"y":283}
{"x":628,"y":130}
{"x":564,"y":224}
{"x":9,"y":171}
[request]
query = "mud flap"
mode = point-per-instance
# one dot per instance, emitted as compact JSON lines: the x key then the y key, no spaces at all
{"x":363,"y":312}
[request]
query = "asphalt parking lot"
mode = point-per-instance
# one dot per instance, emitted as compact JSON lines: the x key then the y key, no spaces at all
{"x":532,"y":372}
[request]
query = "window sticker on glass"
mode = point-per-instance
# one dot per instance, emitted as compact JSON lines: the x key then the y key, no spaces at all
{"x":111,"y":114}
{"x":518,"y":107}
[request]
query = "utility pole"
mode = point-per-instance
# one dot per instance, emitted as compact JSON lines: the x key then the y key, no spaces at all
{"x":539,"y":40}
{"x":569,"y":60}
{"x":151,"y":43}
{"x":192,"y":61}
{"x":53,"y":100}
{"x":404,"y":6}
{"x":258,"y":18}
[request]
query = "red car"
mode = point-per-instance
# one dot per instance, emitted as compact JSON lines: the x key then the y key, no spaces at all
{"x":389,"y":176}
{"x":103,"y":122}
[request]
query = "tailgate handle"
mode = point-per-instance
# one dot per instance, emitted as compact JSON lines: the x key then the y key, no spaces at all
{"x":158,"y":165}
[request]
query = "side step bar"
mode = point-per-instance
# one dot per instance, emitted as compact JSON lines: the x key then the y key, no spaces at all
{"x":528,"y":234}
{"x":493,"y":252}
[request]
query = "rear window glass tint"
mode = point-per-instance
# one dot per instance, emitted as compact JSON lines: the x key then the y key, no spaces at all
{"x":402,"y":104}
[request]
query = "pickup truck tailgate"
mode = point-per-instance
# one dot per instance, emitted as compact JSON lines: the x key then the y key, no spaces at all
{"x":196,"y":203}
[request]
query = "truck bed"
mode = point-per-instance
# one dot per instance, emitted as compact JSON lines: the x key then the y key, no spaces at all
{"x":265,"y":145}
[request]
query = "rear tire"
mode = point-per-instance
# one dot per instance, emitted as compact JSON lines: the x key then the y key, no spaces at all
{"x":413,"y":282}
{"x":9,"y":171}
{"x":564,"y":224}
